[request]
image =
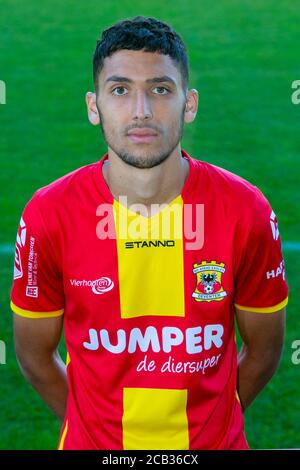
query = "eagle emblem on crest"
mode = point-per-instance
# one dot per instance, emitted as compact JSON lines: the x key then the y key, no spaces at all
{"x":209,"y":281}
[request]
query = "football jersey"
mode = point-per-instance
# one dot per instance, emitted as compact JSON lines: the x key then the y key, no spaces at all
{"x":148,"y":304}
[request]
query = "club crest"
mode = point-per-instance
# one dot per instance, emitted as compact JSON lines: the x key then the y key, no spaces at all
{"x":209,"y":282}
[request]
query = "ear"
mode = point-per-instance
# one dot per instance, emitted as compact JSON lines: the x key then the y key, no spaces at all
{"x":191,"y":106}
{"x":93,"y":113}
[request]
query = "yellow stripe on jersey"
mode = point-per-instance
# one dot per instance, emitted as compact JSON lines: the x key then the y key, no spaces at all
{"x":155,"y":419}
{"x":143,"y":289}
{"x":272,"y":309}
{"x":63,"y":437}
{"x":30,"y":314}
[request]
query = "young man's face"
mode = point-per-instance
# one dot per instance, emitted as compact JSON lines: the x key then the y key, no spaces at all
{"x":141,"y":91}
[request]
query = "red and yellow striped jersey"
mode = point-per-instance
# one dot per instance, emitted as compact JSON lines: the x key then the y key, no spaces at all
{"x":149,"y":309}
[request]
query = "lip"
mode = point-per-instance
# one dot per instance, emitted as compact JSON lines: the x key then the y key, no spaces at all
{"x":144,"y":131}
{"x":142,"y":135}
{"x":140,"y":139}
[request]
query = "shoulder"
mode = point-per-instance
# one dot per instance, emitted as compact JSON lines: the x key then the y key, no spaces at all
{"x":66,"y":189}
{"x":232,"y":183}
{"x":230,"y":188}
{"x":69,"y":183}
{"x":51,"y":202}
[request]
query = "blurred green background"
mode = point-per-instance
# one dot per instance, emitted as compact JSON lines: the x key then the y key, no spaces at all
{"x":243,"y":58}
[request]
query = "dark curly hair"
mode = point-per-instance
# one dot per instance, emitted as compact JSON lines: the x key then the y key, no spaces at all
{"x":141,"y":33}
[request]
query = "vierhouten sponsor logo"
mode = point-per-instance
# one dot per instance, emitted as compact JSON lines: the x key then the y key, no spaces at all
{"x":98,"y":286}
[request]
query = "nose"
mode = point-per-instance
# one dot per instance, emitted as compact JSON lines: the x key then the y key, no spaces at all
{"x":142,"y":109}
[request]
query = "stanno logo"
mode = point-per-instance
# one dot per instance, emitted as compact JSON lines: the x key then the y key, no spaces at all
{"x":99,"y":286}
{"x":21,"y":241}
{"x":18,"y":270}
{"x":274,"y":226}
{"x":150,"y":244}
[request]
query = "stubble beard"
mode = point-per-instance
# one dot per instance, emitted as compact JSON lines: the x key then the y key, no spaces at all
{"x":150,"y":159}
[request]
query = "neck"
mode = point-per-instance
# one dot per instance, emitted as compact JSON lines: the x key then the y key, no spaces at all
{"x":158,"y":185}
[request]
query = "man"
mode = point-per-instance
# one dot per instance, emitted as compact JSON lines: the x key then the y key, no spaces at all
{"x":148,"y":310}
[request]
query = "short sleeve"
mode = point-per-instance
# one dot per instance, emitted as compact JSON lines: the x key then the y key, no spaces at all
{"x":37,"y":290}
{"x":260,"y":283}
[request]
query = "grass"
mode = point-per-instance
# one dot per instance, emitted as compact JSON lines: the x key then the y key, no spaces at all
{"x":243,"y":57}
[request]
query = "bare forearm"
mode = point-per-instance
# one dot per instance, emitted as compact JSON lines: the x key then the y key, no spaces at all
{"x":49,"y":379}
{"x":254,"y":372}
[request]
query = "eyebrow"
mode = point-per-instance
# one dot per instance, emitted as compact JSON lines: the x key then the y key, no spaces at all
{"x":164,"y":78}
